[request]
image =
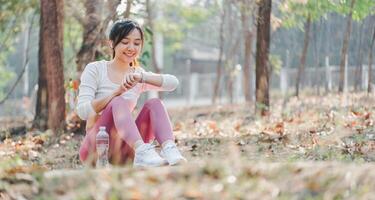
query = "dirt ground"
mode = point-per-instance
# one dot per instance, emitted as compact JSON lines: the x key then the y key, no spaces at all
{"x":309,"y":148}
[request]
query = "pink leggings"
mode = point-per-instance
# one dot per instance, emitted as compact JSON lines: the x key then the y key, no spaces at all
{"x":152,"y":122}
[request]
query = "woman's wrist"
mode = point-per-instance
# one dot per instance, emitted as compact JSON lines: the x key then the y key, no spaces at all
{"x":114,"y":94}
{"x":143,"y":77}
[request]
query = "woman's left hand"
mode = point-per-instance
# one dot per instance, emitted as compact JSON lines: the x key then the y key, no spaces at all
{"x":131,"y":80}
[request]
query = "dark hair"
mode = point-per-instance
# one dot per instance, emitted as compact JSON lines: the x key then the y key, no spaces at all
{"x":120,"y":29}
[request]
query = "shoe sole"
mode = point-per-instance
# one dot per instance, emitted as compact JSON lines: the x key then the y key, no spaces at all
{"x":145,"y":166}
{"x":178,"y":162}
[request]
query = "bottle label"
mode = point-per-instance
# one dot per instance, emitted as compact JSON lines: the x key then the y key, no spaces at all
{"x":102,"y":141}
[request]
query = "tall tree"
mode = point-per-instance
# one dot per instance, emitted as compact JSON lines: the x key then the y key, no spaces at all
{"x":316,"y":41}
{"x":128,"y":8}
{"x":98,"y":14}
{"x":219,"y":65}
{"x":245,"y":9}
{"x":303,"y":54}
{"x":345,"y":45}
{"x":369,"y":86}
{"x":262,"y":56}
{"x":354,"y":10}
{"x":50,"y":111}
{"x":91,"y":33}
{"x":359,"y":68}
{"x":296,"y":13}
{"x":232,"y":48}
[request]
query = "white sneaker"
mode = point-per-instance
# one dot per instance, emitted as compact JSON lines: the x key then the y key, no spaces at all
{"x":146,"y":156}
{"x":171,"y":153}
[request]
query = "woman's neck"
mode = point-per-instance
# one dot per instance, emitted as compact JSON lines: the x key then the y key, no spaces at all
{"x":119,"y":65}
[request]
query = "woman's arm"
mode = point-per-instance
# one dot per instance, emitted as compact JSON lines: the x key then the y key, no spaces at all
{"x":87,"y":89}
{"x":87,"y":105}
{"x":99,"y":104}
{"x":153,"y":79}
{"x":159,"y":82}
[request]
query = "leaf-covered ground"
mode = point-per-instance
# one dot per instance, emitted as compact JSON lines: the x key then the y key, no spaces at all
{"x":308,"y":148}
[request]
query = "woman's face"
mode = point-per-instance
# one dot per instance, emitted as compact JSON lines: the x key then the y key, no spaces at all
{"x":130,"y":47}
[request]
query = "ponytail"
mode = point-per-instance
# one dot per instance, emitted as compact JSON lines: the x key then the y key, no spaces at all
{"x":134,"y":63}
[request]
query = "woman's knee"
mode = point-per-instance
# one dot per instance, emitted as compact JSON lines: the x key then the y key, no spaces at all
{"x":87,"y":154}
{"x":118,"y":100}
{"x":84,"y":154}
{"x":154,"y":102}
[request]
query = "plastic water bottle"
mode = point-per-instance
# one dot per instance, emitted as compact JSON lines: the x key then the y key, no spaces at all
{"x":102,"y":146}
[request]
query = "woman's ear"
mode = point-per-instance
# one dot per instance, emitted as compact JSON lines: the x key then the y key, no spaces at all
{"x":110,"y":44}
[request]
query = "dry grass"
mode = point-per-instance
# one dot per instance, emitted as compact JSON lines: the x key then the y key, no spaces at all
{"x":313,"y":147}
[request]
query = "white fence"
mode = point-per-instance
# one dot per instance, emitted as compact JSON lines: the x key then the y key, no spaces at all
{"x":197,"y":89}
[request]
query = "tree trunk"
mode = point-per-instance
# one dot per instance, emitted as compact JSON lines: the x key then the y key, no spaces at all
{"x":230,"y":63}
{"x":220,"y":59}
{"x":369,"y":86}
{"x":248,"y":38}
{"x":303,"y":55}
{"x":345,"y":47}
{"x":359,"y":68}
{"x":326,"y":54}
{"x":108,"y":9}
{"x":94,"y":27}
{"x":91,"y":34}
{"x":128,"y":8}
{"x":51,"y":101}
{"x":41,"y":110}
{"x":317,"y":63}
{"x":262,"y":60}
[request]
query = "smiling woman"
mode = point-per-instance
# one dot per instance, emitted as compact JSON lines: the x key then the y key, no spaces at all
{"x":108,"y":93}
{"x":126,"y":38}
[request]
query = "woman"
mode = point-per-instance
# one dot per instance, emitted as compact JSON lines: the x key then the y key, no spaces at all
{"x":108,"y":93}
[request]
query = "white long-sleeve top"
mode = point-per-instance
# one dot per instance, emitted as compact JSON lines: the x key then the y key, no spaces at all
{"x":95,"y":84}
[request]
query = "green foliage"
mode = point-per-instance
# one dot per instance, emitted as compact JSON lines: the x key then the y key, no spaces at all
{"x":10,"y":8}
{"x":361,"y":8}
{"x":12,"y":16}
{"x":295,"y":12}
{"x":146,"y":58}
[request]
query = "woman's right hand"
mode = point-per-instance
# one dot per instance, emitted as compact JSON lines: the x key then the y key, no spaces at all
{"x":131,"y":79}
{"x":121,"y":89}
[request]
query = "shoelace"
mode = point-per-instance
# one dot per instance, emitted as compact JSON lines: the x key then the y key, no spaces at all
{"x":170,"y":147}
{"x":148,"y":148}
